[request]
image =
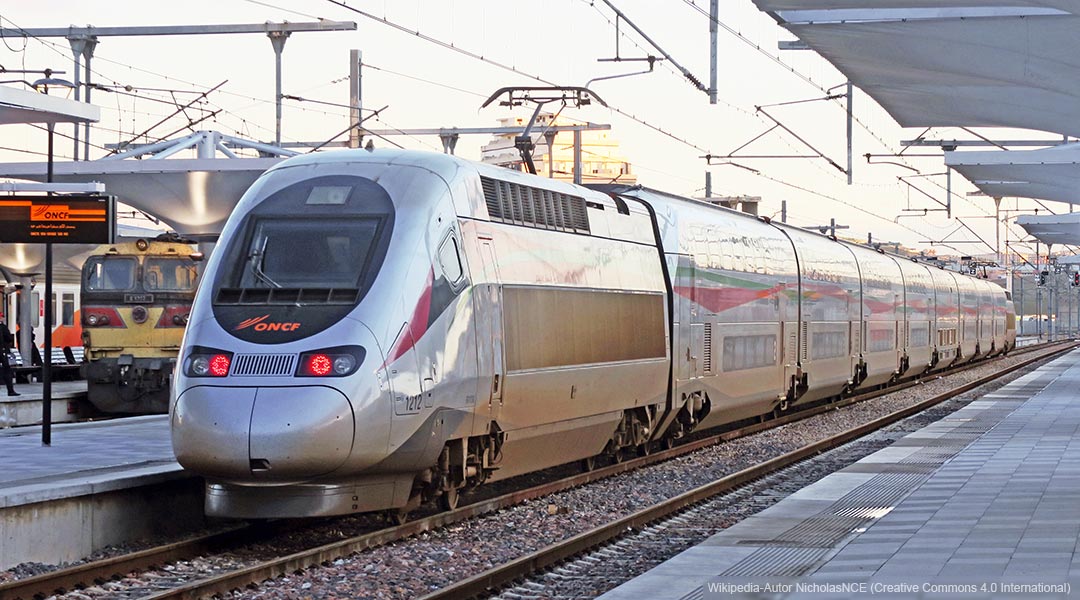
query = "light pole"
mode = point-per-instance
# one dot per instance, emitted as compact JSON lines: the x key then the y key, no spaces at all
{"x":46,"y":355}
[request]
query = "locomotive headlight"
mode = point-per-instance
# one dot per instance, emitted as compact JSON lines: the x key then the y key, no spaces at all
{"x":207,"y":362}
{"x":139,"y":314}
{"x":330,"y":362}
{"x":200,"y":366}
{"x":101,"y":316}
{"x":345,"y":364}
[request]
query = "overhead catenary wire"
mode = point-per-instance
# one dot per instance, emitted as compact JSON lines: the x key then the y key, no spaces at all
{"x":686,"y":142}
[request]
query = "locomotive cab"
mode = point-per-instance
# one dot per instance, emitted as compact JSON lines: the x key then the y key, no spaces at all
{"x":301,"y":344}
{"x":136,"y":297}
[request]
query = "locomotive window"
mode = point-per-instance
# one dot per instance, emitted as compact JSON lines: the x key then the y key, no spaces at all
{"x":308,"y":253}
{"x":450,"y":260}
{"x":169,"y":274}
{"x":104,"y":273}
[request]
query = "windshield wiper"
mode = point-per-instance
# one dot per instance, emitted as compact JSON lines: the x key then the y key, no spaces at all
{"x":256,"y":265}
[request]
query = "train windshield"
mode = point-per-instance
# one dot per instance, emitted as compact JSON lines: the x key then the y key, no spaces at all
{"x":308,"y":253}
{"x":168,"y":274}
{"x":108,"y":273}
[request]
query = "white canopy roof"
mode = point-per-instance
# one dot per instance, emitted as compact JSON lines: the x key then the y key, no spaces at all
{"x":1006,"y":63}
{"x":1053,"y":229}
{"x":194,"y":196}
{"x":782,"y":5}
{"x":22,"y":106}
{"x":1047,"y":174}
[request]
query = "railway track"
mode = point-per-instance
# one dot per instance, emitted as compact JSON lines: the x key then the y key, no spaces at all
{"x":104,"y":570}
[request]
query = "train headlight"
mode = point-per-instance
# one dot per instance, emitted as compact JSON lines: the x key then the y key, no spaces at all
{"x":207,"y":362}
{"x":101,"y":316}
{"x":345,"y":364}
{"x":340,"y":361}
{"x":139,"y":314}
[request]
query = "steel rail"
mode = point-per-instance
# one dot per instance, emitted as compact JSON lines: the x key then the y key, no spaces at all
{"x":73,"y":577}
{"x":496,"y":577}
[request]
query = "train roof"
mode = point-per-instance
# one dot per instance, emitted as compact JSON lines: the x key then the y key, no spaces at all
{"x":446,"y":166}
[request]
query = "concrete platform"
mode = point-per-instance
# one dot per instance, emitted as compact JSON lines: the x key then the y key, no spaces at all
{"x":97,"y":484}
{"x":68,"y":403}
{"x":987,"y":500}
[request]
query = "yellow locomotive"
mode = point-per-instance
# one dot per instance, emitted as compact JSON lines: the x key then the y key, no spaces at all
{"x":135,"y":297}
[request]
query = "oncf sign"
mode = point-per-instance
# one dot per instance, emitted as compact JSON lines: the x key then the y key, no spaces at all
{"x":262,"y":324}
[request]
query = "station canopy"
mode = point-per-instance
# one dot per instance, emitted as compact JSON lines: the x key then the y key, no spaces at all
{"x":1052,"y":229}
{"x":194,"y":196}
{"x":1046,"y":174}
{"x":966,"y":63}
{"x":940,"y":63}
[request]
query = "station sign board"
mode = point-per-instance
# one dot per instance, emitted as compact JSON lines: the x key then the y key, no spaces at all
{"x":61,"y":219}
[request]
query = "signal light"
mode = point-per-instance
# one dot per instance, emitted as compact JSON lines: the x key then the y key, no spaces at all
{"x":219,"y":365}
{"x":319,"y":364}
{"x":1076,"y":279}
{"x":1042,"y":277}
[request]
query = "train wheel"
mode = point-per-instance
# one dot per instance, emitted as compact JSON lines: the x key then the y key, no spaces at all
{"x":588,"y":464}
{"x":448,"y":500}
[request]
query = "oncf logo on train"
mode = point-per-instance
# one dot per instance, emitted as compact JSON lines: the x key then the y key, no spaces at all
{"x":260,"y":324}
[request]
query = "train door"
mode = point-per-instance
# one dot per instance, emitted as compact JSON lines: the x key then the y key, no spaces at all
{"x":487,"y":303}
{"x":685,"y":361}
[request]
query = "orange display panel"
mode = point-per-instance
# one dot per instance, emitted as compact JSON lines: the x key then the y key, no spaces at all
{"x":87,"y":219}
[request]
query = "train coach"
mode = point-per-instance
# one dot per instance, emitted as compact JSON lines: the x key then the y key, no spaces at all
{"x":379,"y":329}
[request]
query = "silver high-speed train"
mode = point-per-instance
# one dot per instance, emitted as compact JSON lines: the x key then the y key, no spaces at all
{"x":378,"y":329}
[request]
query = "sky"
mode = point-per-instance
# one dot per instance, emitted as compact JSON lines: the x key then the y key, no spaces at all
{"x":422,"y":63}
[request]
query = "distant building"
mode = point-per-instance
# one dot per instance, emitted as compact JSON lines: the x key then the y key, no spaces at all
{"x":746,"y":204}
{"x":600,"y":158}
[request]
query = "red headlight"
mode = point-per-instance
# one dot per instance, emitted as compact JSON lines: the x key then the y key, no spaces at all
{"x":319,"y":364}
{"x":219,"y":365}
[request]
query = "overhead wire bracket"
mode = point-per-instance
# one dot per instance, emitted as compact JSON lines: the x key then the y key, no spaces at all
{"x":540,"y":95}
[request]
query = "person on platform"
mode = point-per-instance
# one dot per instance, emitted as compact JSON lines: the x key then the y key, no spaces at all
{"x":6,"y":342}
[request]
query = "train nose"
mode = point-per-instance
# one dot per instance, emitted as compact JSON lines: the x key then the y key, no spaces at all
{"x":266,"y":433}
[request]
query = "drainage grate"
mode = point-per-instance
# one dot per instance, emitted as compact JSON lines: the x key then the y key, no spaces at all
{"x":777,"y":562}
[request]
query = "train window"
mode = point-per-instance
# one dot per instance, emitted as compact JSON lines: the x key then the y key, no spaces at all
{"x":104,"y":273}
{"x":169,"y":274}
{"x":329,"y":194}
{"x":450,"y":259}
{"x":308,"y":253}
{"x":69,"y":309}
{"x":749,"y":352}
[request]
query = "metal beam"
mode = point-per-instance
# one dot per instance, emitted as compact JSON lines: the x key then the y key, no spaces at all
{"x":84,"y":39}
{"x":483,"y":130}
{"x":957,"y":143}
{"x":179,"y":29}
{"x":714,"y":20}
